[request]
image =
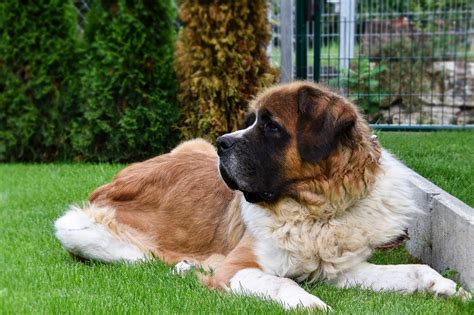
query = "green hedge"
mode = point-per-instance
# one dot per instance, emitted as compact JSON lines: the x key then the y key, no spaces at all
{"x":107,"y":93}
{"x":128,"y":85}
{"x":38,"y":64}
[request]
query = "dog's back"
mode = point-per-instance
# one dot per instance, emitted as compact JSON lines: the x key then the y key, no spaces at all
{"x":137,"y":215}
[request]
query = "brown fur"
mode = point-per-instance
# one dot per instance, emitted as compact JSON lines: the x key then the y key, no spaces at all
{"x":349,"y":171}
{"x":222,"y":268}
{"x":179,"y":202}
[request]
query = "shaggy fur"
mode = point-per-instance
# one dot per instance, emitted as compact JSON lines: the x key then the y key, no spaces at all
{"x":318,"y":196}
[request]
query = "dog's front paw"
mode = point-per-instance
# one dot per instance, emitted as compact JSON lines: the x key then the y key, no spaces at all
{"x":184,"y":266}
{"x":463,"y":294}
{"x":442,"y":287}
{"x":304,"y":300}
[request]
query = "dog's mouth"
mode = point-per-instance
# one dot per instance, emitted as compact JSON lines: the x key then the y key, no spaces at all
{"x":255,"y":197}
{"x":250,"y":196}
{"x":227,"y":179}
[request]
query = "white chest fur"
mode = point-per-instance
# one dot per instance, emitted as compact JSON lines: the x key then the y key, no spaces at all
{"x":302,"y":247}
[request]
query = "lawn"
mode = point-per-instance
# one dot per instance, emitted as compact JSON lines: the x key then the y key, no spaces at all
{"x":445,"y":157}
{"x":39,"y":277}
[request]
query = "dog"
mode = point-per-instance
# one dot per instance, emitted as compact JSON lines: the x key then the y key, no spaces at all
{"x":302,"y":193}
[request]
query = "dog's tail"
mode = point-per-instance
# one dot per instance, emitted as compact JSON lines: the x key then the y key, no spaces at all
{"x":93,"y":233}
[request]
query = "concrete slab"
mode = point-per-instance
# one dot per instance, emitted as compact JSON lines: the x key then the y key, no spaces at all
{"x":444,"y":236}
{"x":453,"y":238}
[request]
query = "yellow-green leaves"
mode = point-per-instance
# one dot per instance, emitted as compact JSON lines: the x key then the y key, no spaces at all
{"x":221,"y":63}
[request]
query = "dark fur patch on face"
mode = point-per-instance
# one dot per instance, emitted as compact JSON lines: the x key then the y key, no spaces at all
{"x":296,"y":123}
{"x":254,"y":162}
{"x":322,"y":121}
{"x":249,"y":120}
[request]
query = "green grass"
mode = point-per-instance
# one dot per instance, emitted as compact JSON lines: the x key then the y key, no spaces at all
{"x":445,"y":157}
{"x":37,"y":276}
{"x":330,"y":55}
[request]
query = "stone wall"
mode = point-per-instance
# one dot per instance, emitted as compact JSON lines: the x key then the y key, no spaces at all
{"x":450,"y":101}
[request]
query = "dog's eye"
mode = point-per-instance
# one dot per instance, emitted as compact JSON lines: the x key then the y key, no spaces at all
{"x":272,"y":127}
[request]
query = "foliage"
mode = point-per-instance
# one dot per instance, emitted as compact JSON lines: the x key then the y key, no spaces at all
{"x":38,"y":51}
{"x":128,"y":86}
{"x":220,"y":63}
{"x":362,"y":84}
{"x":412,"y":6}
{"x":408,"y":63}
{"x":400,"y":68}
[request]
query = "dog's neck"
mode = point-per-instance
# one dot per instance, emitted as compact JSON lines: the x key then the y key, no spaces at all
{"x":345,"y":177}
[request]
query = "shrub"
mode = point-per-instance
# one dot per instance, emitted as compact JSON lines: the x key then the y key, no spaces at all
{"x":412,"y":7}
{"x":408,"y":62}
{"x":38,"y":48}
{"x":363,"y":86}
{"x":221,"y":63}
{"x":128,"y":85}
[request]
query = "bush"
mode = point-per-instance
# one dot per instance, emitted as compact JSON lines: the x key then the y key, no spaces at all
{"x":408,"y":62}
{"x":398,"y":73}
{"x":38,"y":48}
{"x":128,"y":85}
{"x":362,"y":84}
{"x":411,"y":6}
{"x":220,"y":63}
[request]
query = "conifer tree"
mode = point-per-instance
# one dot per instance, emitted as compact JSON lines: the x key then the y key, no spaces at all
{"x":38,"y":52}
{"x":128,"y":85}
{"x":221,"y":63}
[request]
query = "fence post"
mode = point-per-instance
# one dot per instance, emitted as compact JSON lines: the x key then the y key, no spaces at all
{"x":318,"y":10}
{"x":347,"y":32}
{"x":301,"y":40}
{"x":269,"y":19}
{"x":286,"y":41}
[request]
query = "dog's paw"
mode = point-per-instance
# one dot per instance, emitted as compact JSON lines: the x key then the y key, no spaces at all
{"x":305,"y":301}
{"x":443,"y":287}
{"x":184,"y":266}
{"x":463,"y":295}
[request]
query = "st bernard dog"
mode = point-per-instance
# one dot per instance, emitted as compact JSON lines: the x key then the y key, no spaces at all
{"x":303,"y":193}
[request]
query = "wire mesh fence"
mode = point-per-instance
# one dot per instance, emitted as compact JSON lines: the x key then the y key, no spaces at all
{"x":403,"y":62}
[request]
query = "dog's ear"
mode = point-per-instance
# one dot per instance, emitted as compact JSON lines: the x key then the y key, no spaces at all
{"x":322,"y":120}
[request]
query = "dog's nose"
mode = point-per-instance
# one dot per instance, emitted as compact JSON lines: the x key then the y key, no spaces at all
{"x":224,"y":143}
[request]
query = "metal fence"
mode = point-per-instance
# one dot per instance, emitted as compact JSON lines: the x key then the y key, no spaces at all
{"x":405,"y":63}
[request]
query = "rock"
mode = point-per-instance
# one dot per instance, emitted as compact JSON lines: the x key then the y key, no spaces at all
{"x":451,"y":100}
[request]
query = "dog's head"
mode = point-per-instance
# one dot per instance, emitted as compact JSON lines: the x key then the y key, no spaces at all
{"x":291,"y":133}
